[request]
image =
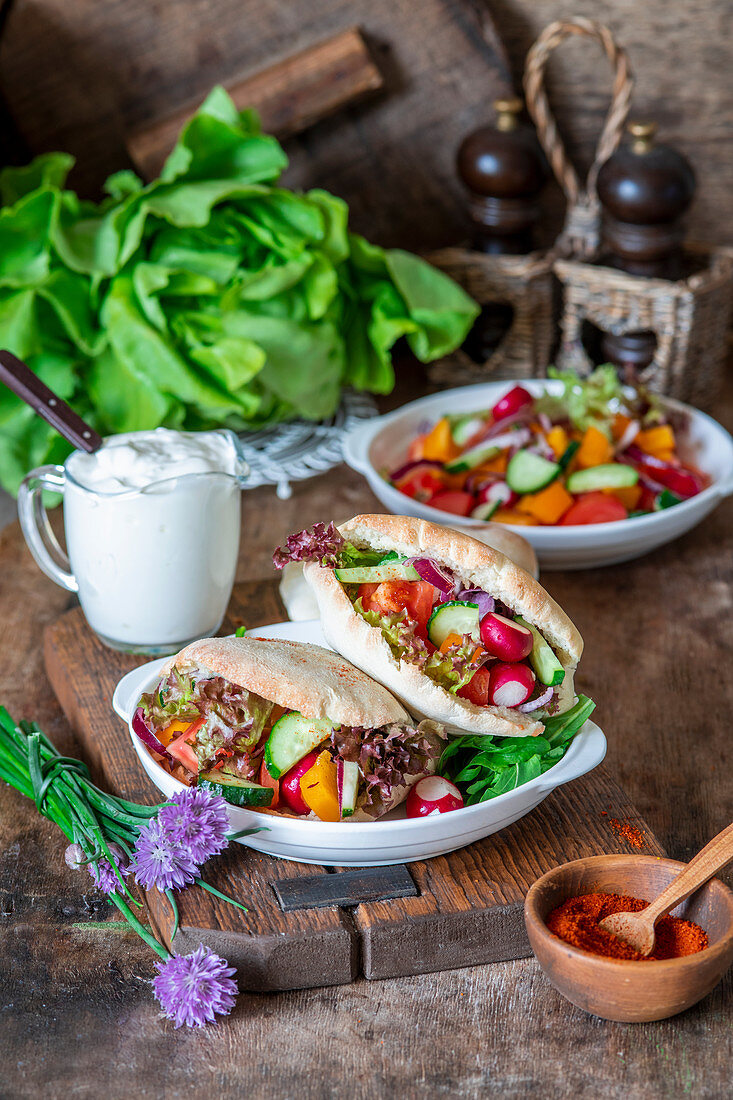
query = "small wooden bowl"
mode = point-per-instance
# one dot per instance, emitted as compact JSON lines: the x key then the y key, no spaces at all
{"x":618,"y":989}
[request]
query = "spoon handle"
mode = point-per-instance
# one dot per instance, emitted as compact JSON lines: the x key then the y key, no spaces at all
{"x":19,"y":378}
{"x":701,"y":867}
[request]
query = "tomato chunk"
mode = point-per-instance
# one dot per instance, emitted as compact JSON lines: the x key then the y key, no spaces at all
{"x":594,"y":508}
{"x":422,"y":486}
{"x":455,"y":502}
{"x":477,"y":688}
{"x":416,"y":597}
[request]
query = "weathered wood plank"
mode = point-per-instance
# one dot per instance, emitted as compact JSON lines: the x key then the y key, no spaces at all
{"x":290,"y":95}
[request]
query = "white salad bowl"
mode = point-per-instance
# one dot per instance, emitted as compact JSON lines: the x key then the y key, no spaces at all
{"x":380,"y":445}
{"x":394,"y":838}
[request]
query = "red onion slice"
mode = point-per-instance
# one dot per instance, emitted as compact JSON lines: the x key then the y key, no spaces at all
{"x":435,"y":574}
{"x":535,"y":704}
{"x":146,"y":735}
{"x":408,"y":467}
{"x":486,"y":603}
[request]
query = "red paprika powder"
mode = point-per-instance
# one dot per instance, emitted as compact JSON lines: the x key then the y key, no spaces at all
{"x":576,"y":921}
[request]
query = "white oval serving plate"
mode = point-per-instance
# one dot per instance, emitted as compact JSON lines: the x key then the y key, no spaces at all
{"x":380,"y":444}
{"x":392,"y":839}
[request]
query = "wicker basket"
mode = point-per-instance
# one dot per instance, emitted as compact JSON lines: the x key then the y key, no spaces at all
{"x":689,"y":318}
{"x":526,"y":284}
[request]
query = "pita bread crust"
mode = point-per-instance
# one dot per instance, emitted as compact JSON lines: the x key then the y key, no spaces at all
{"x":297,"y":676}
{"x":478,"y":566}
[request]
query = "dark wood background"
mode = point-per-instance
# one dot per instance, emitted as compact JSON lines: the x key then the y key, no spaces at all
{"x":78,"y":74}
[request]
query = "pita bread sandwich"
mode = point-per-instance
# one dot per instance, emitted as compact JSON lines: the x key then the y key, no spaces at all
{"x":459,"y":632}
{"x":281,"y":726}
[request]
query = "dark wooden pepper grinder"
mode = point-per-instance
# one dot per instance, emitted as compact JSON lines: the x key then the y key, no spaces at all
{"x":503,"y":169}
{"x":644,"y":190}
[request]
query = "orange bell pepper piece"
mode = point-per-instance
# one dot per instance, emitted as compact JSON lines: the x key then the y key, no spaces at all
{"x":629,"y":496}
{"x":547,"y":506}
{"x":657,"y":441}
{"x":456,"y":639}
{"x":438,"y":444}
{"x":558,"y":439}
{"x":619,"y":425}
{"x":177,"y":727}
{"x":496,"y":465}
{"x":509,"y":515}
{"x":319,"y":788}
{"x":595,"y":448}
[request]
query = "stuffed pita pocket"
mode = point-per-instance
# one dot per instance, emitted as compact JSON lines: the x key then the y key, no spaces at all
{"x":460,"y":633}
{"x":280,"y":726}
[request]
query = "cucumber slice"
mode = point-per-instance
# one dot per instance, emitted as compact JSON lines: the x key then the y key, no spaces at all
{"x":453,"y":617}
{"x":347,"y":778}
{"x":528,"y":472}
{"x":470,"y":459}
{"x":666,"y":499}
{"x":375,"y":574}
{"x":291,"y":738}
{"x":464,"y":427}
{"x":611,"y":475}
{"x":549,"y":670}
{"x":486,"y":510}
{"x":239,"y":792}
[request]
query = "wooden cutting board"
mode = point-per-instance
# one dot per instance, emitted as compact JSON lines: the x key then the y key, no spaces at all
{"x":312,"y":926}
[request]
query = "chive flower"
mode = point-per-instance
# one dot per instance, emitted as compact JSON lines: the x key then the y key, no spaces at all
{"x":160,"y":863}
{"x":193,"y":988}
{"x":197,"y":822}
{"x":101,"y":871}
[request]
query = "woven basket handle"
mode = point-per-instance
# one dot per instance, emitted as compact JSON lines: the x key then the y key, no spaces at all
{"x":581,"y":233}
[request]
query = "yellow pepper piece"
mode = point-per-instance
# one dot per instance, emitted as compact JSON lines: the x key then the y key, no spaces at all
{"x":657,"y":441}
{"x":548,"y":505}
{"x":629,"y":496}
{"x":319,"y":789}
{"x":175,"y":729}
{"x":595,"y":448}
{"x":509,"y":515}
{"x":557,"y":437}
{"x":438,"y":444}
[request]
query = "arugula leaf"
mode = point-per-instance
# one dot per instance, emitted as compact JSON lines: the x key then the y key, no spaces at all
{"x":489,"y":766}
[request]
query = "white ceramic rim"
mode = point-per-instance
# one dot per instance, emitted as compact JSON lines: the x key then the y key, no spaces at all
{"x":586,"y":752}
{"x":359,"y":441}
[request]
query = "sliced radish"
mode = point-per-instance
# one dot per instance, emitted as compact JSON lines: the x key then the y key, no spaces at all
{"x":497,"y":493}
{"x":433,"y":795}
{"x":510,"y":685}
{"x":505,"y":639}
{"x":511,"y":403}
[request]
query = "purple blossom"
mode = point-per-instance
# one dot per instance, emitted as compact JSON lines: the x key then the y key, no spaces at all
{"x":319,"y":544}
{"x":196,"y":822}
{"x":192,"y":988}
{"x":74,"y":857}
{"x":161,"y":863}
{"x":104,"y":877}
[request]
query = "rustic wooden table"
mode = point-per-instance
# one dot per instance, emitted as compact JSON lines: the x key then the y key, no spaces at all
{"x":78,"y":1018}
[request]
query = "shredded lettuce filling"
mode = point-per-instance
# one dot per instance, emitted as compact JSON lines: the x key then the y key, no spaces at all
{"x":234,"y":718}
{"x":452,"y":670}
{"x":596,"y":399}
{"x":328,"y":547}
{"x":388,"y":756}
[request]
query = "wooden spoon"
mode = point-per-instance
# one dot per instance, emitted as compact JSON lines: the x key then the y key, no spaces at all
{"x":637,"y":929}
{"x":19,"y":378}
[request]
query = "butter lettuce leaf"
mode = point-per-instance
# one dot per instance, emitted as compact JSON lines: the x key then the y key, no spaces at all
{"x":209,"y":296}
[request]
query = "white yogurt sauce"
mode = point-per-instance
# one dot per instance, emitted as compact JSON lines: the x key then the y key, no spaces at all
{"x":152,"y":529}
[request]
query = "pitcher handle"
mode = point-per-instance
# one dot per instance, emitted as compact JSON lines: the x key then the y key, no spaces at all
{"x":42,"y":543}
